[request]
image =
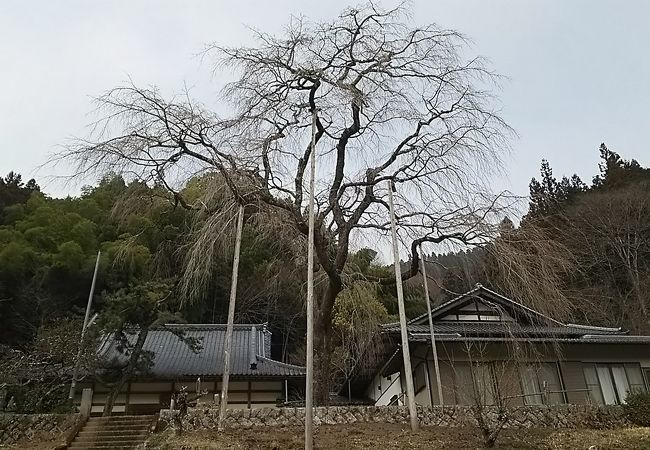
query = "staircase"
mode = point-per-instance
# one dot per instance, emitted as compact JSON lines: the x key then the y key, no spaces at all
{"x":113,"y":433}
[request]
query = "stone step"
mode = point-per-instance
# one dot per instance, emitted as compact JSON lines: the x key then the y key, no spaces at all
{"x":142,"y":419}
{"x":129,"y":417}
{"x":105,"y":445}
{"x":93,"y":447}
{"x":119,"y":424}
{"x":114,"y":426}
{"x":109,"y":437}
{"x":120,"y":419}
{"x":105,"y":432}
{"x":108,"y":431}
{"x":115,"y":432}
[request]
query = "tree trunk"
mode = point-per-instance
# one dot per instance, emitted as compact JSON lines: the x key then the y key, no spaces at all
{"x":112,"y":396}
{"x":126,"y":374}
{"x":636,"y":286}
{"x":322,"y":367}
{"x":323,"y":344}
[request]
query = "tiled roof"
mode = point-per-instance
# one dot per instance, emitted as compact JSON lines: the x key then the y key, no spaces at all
{"x":589,"y":339}
{"x":501,"y":329}
{"x":481,"y":291}
{"x":173,"y":358}
{"x":529,"y":325}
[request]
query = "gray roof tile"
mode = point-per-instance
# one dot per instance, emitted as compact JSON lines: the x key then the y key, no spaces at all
{"x":501,"y":328}
{"x":173,"y":358}
{"x":530,"y":325}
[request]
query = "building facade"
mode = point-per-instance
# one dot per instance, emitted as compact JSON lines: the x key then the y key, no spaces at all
{"x":493,"y":350}
{"x":256,"y":380}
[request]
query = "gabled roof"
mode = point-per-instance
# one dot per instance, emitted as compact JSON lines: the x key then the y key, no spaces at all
{"x":173,"y":358}
{"x":523,"y":323}
{"x":484,"y":294}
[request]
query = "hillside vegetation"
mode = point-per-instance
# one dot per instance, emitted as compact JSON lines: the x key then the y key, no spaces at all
{"x":599,"y":231}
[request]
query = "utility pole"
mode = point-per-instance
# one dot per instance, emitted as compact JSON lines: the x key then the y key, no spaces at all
{"x":75,"y":372}
{"x":309,"y":379}
{"x":434,"y":348}
{"x":406,"y":354}
{"x":227,"y":354}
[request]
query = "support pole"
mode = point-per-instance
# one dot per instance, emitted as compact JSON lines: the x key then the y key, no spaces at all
{"x":227,"y":353}
{"x":75,"y":372}
{"x":436,"y":365}
{"x":309,"y":379}
{"x":406,"y":354}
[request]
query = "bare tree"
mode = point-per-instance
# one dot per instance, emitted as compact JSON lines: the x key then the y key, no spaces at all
{"x":492,"y":379}
{"x":486,"y":385}
{"x":610,"y":234}
{"x":527,"y":265}
{"x":393,"y":102}
{"x":40,"y":374}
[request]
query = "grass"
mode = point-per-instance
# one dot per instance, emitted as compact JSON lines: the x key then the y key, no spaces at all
{"x":384,"y":436}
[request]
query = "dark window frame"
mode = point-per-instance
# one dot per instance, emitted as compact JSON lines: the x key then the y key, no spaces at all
{"x":472,"y":366}
{"x":610,"y":372}
{"x":563,"y":393}
{"x":480,"y":314}
{"x":426,"y":377}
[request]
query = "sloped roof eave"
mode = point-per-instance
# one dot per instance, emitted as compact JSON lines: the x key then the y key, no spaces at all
{"x":600,"y":339}
{"x":479,"y":288}
{"x":173,"y":358}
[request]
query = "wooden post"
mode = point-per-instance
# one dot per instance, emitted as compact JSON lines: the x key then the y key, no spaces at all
{"x":309,"y":379}
{"x":406,"y":354}
{"x":75,"y":372}
{"x":433,"y":336}
{"x":231,"y":320}
{"x":86,"y":403}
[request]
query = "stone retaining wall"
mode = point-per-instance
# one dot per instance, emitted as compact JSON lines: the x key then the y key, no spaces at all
{"x":561,"y":416}
{"x":23,"y":428}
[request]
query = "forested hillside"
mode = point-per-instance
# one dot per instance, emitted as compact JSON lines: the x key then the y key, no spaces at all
{"x":48,"y":248}
{"x":602,"y":226}
{"x":594,"y":238}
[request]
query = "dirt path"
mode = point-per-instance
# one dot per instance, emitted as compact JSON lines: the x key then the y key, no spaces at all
{"x":393,"y":436}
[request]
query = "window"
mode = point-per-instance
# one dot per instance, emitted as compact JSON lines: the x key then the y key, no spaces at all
{"x":540,"y":384}
{"x":478,"y":312}
{"x":609,"y":384}
{"x":463,"y":384}
{"x":485,"y":384}
{"x":420,"y":378}
{"x":474,"y":384}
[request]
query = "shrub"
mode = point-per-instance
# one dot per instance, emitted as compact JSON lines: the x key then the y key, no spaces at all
{"x":637,"y":408}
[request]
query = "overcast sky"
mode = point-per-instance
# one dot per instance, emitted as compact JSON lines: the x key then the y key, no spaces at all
{"x":579,"y":71}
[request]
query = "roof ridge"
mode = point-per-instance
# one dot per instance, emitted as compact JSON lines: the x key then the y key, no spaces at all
{"x":594,"y":327}
{"x":217,"y":324}
{"x":479,"y":286}
{"x":448,"y":302}
{"x":503,"y":297}
{"x":211,"y":325}
{"x":280,"y":363}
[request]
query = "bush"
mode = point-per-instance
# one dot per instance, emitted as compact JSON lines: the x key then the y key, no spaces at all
{"x":637,"y":408}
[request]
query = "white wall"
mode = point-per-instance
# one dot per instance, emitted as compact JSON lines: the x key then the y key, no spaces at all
{"x":382,"y":389}
{"x":263,"y":394}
